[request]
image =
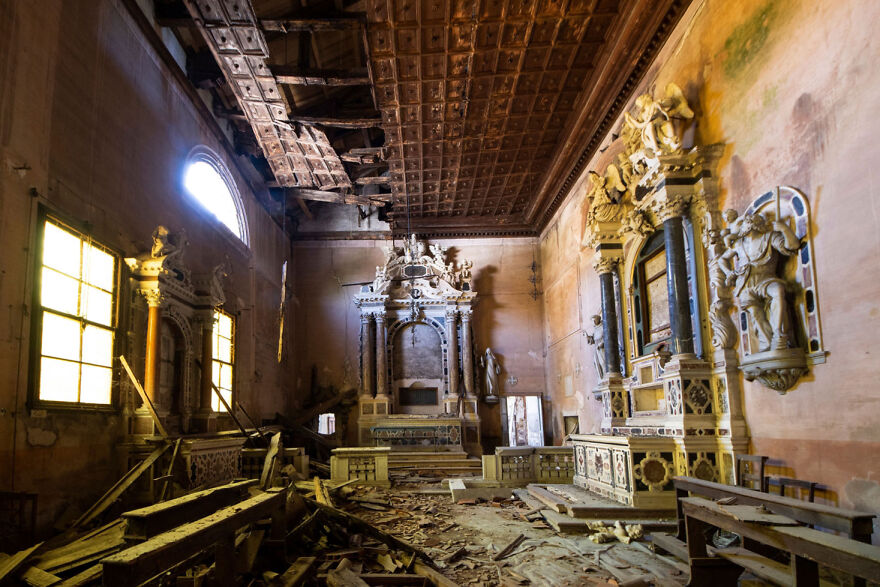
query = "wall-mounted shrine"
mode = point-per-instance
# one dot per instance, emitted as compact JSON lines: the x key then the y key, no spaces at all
{"x":417,"y":359}
{"x":682,"y":287}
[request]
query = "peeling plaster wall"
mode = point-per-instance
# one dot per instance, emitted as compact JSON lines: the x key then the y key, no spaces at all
{"x":94,"y":126}
{"x":506,"y":319}
{"x":790,"y":88}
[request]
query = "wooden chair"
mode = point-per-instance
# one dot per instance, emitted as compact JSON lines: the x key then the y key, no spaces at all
{"x":750,"y":472}
{"x":802,"y":489}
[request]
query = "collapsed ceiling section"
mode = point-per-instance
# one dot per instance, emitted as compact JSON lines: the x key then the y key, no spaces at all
{"x":457,"y":117}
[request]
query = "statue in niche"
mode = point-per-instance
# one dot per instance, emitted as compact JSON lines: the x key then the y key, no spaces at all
{"x":597,"y":338}
{"x":491,"y":371}
{"x":750,"y":264}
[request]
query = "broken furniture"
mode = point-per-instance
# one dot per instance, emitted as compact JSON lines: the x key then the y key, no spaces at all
{"x":750,"y":471}
{"x":855,"y":525}
{"x":808,"y":548}
{"x":517,"y":466}
{"x":167,"y":550}
{"x":801,"y":489}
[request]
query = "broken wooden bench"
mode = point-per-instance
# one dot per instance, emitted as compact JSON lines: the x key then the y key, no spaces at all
{"x":853,"y":524}
{"x":170,"y":549}
{"x":149,"y":521}
{"x":808,"y":548}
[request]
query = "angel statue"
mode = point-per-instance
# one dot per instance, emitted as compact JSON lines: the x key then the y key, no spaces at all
{"x":605,"y":207}
{"x":491,"y":371}
{"x":651,"y":128}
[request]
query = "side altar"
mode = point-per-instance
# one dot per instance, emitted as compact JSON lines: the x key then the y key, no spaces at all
{"x":682,"y":285}
{"x":416,"y":353}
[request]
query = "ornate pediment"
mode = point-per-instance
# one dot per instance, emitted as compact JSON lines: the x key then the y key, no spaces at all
{"x":417,"y":271}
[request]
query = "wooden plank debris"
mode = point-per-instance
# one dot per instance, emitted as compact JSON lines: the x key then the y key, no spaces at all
{"x":153,"y":557}
{"x":295,"y":573}
{"x":269,"y":463}
{"x":508,"y":550}
{"x":119,"y":487}
{"x":144,"y":523}
{"x":157,"y":422}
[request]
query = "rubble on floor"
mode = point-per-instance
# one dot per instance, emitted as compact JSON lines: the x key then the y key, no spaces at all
{"x":285,"y":530}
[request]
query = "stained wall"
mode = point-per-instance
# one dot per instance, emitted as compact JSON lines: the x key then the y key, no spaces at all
{"x":94,"y":127}
{"x":789,"y":88}
{"x":507,"y":317}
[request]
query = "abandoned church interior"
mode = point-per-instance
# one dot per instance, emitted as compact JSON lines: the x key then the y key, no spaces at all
{"x":439,"y":292}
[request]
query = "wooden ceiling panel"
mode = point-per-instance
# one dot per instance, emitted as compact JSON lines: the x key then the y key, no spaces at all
{"x":480,"y":96}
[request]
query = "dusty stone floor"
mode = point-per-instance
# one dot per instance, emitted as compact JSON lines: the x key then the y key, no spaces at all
{"x":441,"y":528}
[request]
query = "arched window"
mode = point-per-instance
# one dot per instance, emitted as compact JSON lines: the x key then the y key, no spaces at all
{"x":208,"y":181}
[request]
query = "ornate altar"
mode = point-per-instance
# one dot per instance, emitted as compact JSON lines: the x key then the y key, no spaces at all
{"x":665,"y":341}
{"x":416,"y":353}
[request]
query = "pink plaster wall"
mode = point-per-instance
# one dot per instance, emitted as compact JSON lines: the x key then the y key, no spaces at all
{"x":791,"y":89}
{"x":93,"y":125}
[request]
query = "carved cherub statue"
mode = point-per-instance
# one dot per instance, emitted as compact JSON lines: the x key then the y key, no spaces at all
{"x":464,"y":274}
{"x":439,"y":253}
{"x":750,"y":263}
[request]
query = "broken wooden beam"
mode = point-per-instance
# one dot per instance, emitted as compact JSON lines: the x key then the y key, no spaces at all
{"x":144,"y":397}
{"x":375,"y":180}
{"x":340,"y":22}
{"x":269,"y":463}
{"x":339,"y":121}
{"x":119,"y":487}
{"x":146,"y":522}
{"x":296,"y":76}
{"x":295,"y":573}
{"x":151,"y":558}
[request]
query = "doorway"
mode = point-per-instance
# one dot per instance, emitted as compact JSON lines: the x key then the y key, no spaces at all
{"x":525,"y":421}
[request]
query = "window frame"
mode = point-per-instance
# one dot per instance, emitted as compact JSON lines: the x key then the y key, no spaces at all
{"x":203,"y":154}
{"x":232,"y":344}
{"x":80,"y":230}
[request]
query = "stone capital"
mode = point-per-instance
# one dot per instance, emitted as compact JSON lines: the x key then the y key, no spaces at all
{"x":154,"y":297}
{"x":605,"y":264}
{"x":671,"y":206}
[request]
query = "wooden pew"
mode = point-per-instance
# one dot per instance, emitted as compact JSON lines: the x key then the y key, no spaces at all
{"x":151,"y":558}
{"x":808,"y":548}
{"x":149,"y":521}
{"x":854,"y":524}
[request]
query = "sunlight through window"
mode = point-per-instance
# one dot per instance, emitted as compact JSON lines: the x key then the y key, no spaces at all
{"x":221,"y":368}
{"x":207,"y":185}
{"x":77,"y":291}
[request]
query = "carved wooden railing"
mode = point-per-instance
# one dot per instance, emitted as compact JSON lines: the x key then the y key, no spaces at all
{"x":369,"y":464}
{"x":520,"y":465}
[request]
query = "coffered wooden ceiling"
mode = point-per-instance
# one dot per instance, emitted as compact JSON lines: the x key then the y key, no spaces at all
{"x":490,"y":108}
{"x":488,"y":105}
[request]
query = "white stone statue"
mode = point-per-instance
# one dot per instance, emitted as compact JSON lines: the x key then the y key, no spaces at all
{"x":750,"y":263}
{"x":491,"y":371}
{"x":605,"y":195}
{"x":597,"y":338}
